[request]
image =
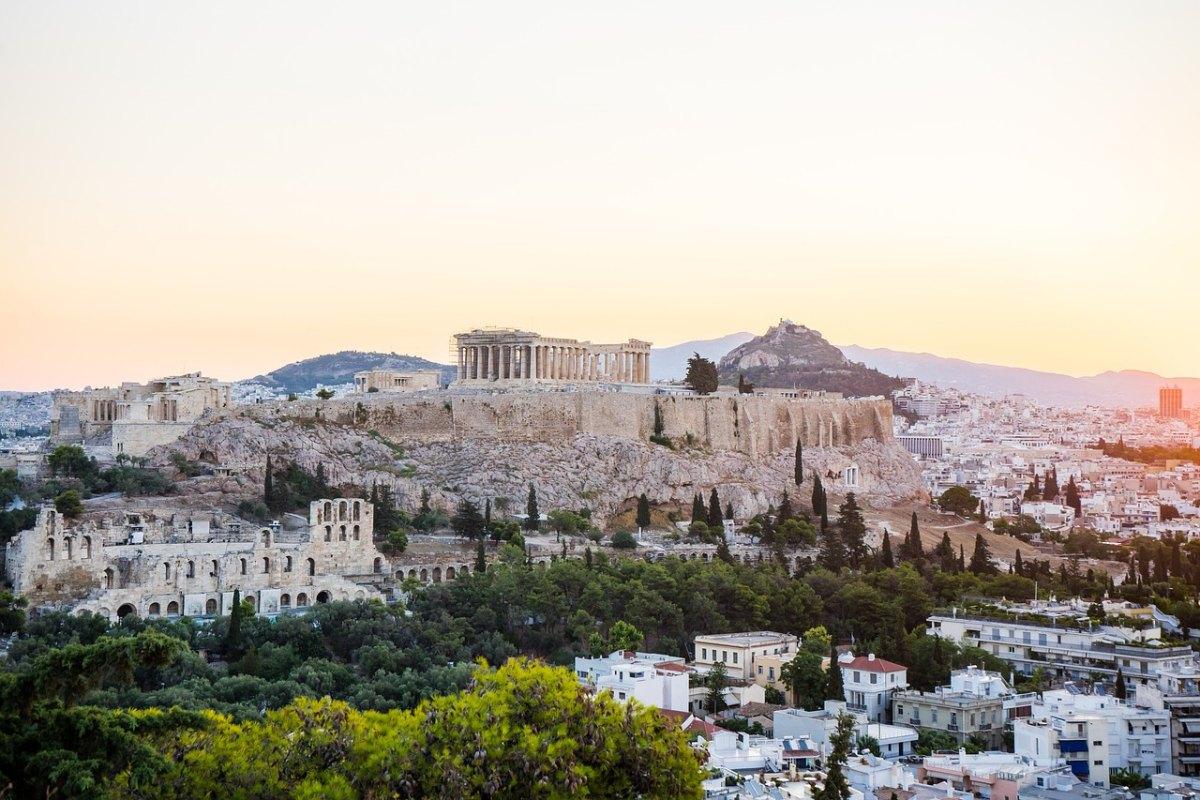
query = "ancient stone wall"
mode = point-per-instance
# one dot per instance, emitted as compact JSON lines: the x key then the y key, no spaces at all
{"x":759,"y":426}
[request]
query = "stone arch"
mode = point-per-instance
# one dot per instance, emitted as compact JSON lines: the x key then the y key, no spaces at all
{"x":173,"y":609}
{"x":285,"y":600}
{"x":153,"y":610}
{"x":191,"y":569}
{"x":210,"y":606}
{"x":424,"y":575}
{"x":216,"y":568}
{"x":67,"y":547}
{"x":86,"y":552}
{"x":323,"y":596}
{"x":342,"y":510}
{"x":108,"y":578}
{"x":126,"y":610}
{"x":377,"y":565}
{"x":704,"y":556}
{"x":166,"y":570}
{"x":242,"y":562}
{"x":412,"y":573}
{"x":301,"y":600}
{"x":312,"y":567}
{"x":329,"y":533}
{"x":450,"y":573}
{"x":287,"y":563}
{"x":342,"y":533}
{"x":266,"y":537}
{"x":49,"y":549}
{"x":357,"y":509}
{"x":355,"y":533}
{"x":327,"y":513}
{"x":253,"y":598}
{"x":266,"y":565}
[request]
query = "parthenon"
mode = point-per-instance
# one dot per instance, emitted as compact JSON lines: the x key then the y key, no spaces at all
{"x":515,"y":355}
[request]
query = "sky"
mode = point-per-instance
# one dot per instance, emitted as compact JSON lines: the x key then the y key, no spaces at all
{"x":228,"y":187}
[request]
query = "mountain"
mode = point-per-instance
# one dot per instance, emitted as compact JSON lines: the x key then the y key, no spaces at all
{"x":670,"y":363}
{"x":1125,"y":388}
{"x":793,"y":356}
{"x":337,"y":368}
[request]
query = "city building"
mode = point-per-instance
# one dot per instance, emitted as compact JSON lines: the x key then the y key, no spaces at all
{"x":1081,"y":740}
{"x":992,"y":775}
{"x":739,"y":652}
{"x":971,"y":707}
{"x":652,"y":679}
{"x":388,"y":380}
{"x":869,"y":683}
{"x":1170,"y":402}
{"x":510,"y":355}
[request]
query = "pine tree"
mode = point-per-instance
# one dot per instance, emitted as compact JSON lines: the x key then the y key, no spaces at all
{"x":799,"y":470}
{"x":269,"y":487}
{"x":981,"y":558}
{"x":467,"y":520}
{"x":698,"y":512}
{"x":885,"y":551}
{"x":853,"y":531}
{"x":833,"y":549}
{"x":532,"y":515}
{"x":643,"y":511}
{"x":1119,"y":690}
{"x":715,"y":517}
{"x":834,"y":689}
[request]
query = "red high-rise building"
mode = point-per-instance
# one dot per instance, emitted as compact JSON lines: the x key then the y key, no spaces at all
{"x":1170,"y":402}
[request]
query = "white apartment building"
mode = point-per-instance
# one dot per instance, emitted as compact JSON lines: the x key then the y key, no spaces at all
{"x":1081,"y":740}
{"x":650,"y":678}
{"x":1139,"y":738}
{"x":739,"y":651}
{"x":869,"y":683}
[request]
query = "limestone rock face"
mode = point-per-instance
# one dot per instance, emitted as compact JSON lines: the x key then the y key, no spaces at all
{"x":577,"y":455}
{"x":794,"y":356}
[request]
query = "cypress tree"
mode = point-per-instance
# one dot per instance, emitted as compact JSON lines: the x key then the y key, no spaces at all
{"x":698,"y":512}
{"x":480,"y":557}
{"x":819,"y":502}
{"x":233,"y":635}
{"x":374,"y":494}
{"x":729,"y":511}
{"x":487,"y":513}
{"x":962,"y":562}
{"x":1018,"y":567}
{"x":1119,"y":690}
{"x":834,"y":689}
{"x":853,"y":531}
{"x":714,"y":511}
{"x":587,"y":557}
{"x":833,"y":550}
{"x":532,"y":515}
{"x":322,"y":487}
{"x":1073,"y":499}
{"x":269,"y":487}
{"x":785,"y":509}
{"x":981,"y":558}
{"x":643,"y":511}
{"x":885,"y":552}
{"x":1050,"y":492}
{"x":944,"y":554}
{"x":799,"y":470}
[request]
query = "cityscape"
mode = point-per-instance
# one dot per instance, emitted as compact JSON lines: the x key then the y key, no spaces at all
{"x":791,"y":402}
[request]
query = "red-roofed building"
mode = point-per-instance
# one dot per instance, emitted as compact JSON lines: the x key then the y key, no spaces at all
{"x":869,"y":683}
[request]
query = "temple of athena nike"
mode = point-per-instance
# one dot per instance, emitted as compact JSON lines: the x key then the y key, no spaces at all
{"x":516,"y":356}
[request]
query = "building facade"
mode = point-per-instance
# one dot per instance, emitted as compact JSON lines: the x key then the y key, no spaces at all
{"x":870,"y":682}
{"x":971,"y":707}
{"x":739,"y":652}
{"x":1170,"y":402}
{"x":389,"y":380}
{"x":172,"y":562}
{"x":510,"y":355}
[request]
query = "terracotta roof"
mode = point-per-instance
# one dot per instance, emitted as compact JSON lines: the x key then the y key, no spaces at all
{"x":672,"y":666}
{"x":705,"y":729}
{"x":757,"y":710}
{"x":678,"y":717}
{"x":872,"y":665}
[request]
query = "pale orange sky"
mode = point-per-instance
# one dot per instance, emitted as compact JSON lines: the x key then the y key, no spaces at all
{"x":228,"y":187}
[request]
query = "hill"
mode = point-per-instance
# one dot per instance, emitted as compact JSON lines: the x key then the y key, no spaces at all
{"x":1124,"y":388}
{"x":337,"y":368}
{"x":670,"y":363}
{"x":794,"y":356}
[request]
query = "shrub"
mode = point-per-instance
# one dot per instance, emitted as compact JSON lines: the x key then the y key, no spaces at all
{"x":623,"y":540}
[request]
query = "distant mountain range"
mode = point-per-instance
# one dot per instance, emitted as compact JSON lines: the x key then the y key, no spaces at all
{"x":670,"y":363}
{"x":337,"y":368}
{"x":1126,"y":388}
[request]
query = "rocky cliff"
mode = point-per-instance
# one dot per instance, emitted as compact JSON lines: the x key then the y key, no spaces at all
{"x":578,"y":449}
{"x":794,"y":356}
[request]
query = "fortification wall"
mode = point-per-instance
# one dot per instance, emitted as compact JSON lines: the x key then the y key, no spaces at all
{"x":756,"y":425}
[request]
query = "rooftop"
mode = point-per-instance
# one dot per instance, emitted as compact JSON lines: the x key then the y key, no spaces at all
{"x":870,"y":663}
{"x":747,"y":638}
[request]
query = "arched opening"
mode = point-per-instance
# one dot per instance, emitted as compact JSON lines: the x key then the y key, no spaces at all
{"x":87,"y":548}
{"x":287,"y":563}
{"x":449,"y":573}
{"x":108,"y":578}
{"x":285,"y":601}
{"x":355,"y":533}
{"x":312,"y":567}
{"x":357,"y":504}
{"x":378,"y":566}
{"x":173,"y":609}
{"x":329,"y":533}
{"x":322,"y":597}
{"x":216,"y":568}
{"x":243,"y":565}
{"x":210,"y":606}
{"x":412,"y":573}
{"x":424,"y":575}
{"x":301,"y":600}
{"x":342,"y":511}
{"x":67,"y":548}
{"x":266,"y":565}
{"x":253,"y":598}
{"x":153,"y":610}
{"x":50,"y":549}
{"x":266,"y":538}
{"x":342,"y":533}
{"x":437,"y":574}
{"x":125,"y":610}
{"x":166,"y":570}
{"x":328,"y":511}
{"x":191,"y":569}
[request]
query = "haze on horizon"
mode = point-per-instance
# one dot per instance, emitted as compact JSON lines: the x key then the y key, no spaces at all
{"x":228,"y":187}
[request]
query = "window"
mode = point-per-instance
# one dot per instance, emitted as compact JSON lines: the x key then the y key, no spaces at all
{"x":191,"y":569}
{"x":874,"y":678}
{"x":1099,"y":762}
{"x":735,"y":656}
{"x":1097,"y":743}
{"x":287,"y":563}
{"x":933,"y":715}
{"x":243,"y":561}
{"x":857,"y":677}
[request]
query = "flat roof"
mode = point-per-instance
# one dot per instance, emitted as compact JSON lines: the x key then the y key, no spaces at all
{"x":747,"y":638}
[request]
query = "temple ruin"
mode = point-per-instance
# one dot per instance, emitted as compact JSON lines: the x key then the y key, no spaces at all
{"x":514,"y":356}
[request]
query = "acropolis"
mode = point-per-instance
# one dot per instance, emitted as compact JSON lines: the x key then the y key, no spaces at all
{"x":516,"y":356}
